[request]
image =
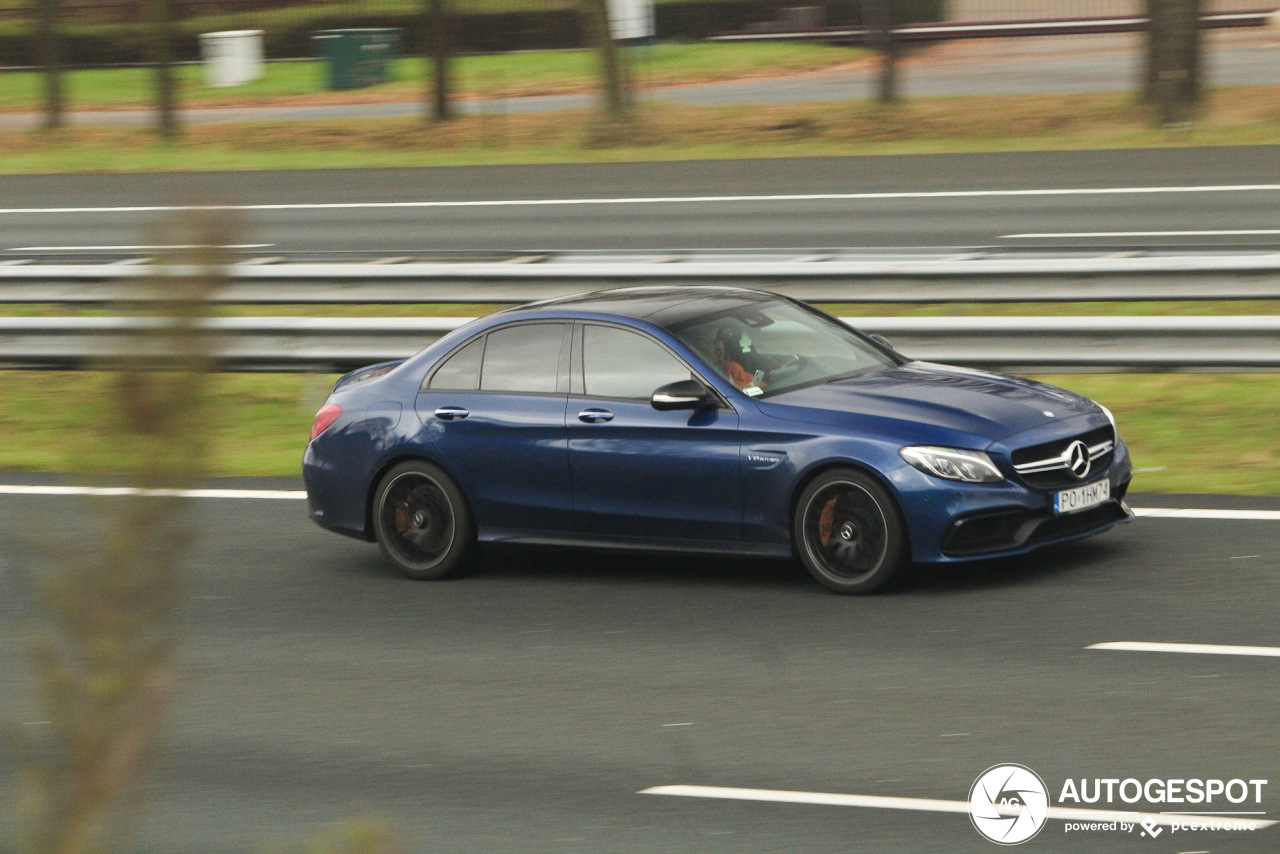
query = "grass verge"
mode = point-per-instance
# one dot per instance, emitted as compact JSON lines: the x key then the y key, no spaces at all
{"x":547,"y":72}
{"x":659,"y":131}
{"x":1187,"y":432}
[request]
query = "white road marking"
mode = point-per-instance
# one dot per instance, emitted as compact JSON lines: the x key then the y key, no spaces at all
{"x":1190,"y":648}
{"x":1182,"y":513}
{"x":1237,"y":232}
{"x":268,"y":494}
{"x":666,"y":200}
{"x":140,"y":247}
{"x":919,"y":804}
{"x":298,"y":495}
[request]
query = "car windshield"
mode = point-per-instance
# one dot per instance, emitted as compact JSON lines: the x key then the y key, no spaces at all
{"x":766,"y":348}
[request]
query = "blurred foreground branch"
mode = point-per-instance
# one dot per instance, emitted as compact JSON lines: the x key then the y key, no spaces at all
{"x":104,"y":648}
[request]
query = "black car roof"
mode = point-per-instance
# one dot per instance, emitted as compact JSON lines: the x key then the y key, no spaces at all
{"x":662,"y":306}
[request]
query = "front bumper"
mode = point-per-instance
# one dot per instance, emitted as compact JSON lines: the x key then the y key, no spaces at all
{"x":964,"y":522}
{"x":1006,"y":531}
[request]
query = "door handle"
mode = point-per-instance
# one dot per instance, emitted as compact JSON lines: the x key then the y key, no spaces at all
{"x":451,"y":413}
{"x":595,"y":416}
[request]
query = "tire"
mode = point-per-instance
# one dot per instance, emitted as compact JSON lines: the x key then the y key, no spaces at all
{"x":849,"y":533}
{"x":422,"y":522}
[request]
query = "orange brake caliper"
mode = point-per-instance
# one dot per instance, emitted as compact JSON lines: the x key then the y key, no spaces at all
{"x":826,"y":522}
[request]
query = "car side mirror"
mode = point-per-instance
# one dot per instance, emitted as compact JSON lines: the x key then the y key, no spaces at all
{"x":685,"y":394}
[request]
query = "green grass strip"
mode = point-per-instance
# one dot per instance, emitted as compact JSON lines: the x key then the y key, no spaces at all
{"x":524,"y":73}
{"x":658,"y":131}
{"x":1200,"y":433}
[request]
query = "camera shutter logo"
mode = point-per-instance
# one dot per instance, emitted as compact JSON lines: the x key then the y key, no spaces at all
{"x":1008,"y":804}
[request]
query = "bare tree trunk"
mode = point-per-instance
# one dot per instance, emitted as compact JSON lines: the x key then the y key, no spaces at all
{"x":1172,"y":81}
{"x":438,"y":49}
{"x":161,"y":13}
{"x":617,"y":98}
{"x":49,"y":56}
{"x":878,"y":17}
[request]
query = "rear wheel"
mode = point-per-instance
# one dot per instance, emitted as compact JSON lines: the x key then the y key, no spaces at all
{"x":848,"y":532}
{"x":421,"y":521}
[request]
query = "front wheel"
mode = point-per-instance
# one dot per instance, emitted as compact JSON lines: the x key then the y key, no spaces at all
{"x":848,"y":532}
{"x":422,"y":522}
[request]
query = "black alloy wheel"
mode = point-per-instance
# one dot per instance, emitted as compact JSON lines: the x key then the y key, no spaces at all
{"x":848,"y":532}
{"x":422,"y":522}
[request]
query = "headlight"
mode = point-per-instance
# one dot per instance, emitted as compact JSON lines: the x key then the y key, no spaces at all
{"x":953,"y":464}
{"x":1110,"y":417}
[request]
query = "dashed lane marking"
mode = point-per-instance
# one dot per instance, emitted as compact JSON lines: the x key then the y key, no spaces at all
{"x":298,"y":495}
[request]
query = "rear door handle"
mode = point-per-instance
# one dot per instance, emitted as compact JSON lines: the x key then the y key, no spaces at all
{"x":451,"y":413}
{"x":595,"y":416}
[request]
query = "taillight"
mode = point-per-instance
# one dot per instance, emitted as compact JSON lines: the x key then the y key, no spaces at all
{"x":328,"y":414}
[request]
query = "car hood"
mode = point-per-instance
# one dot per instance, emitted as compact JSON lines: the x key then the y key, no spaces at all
{"x":919,"y":401}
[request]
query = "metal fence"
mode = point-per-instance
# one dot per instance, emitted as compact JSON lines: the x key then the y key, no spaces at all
{"x":1036,"y":10}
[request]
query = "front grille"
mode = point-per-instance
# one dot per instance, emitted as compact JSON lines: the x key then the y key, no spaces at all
{"x":1060,"y":476}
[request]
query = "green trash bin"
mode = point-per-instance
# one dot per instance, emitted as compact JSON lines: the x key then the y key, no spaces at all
{"x":357,"y":58}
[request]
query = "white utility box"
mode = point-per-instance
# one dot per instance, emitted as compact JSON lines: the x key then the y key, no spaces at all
{"x":632,"y":20}
{"x":231,"y":58}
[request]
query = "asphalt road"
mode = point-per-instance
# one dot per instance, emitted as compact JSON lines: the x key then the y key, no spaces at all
{"x":866,"y":202}
{"x":524,"y":708}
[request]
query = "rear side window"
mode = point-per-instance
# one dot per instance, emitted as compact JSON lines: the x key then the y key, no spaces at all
{"x":523,"y":358}
{"x":461,"y":371}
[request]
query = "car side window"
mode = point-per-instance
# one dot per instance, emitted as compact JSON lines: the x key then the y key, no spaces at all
{"x":620,"y":363}
{"x":523,"y":358}
{"x":461,"y":371}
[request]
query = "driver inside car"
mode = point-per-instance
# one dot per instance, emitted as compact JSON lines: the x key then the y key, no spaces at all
{"x":726,"y":355}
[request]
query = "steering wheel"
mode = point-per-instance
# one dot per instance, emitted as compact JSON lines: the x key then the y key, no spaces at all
{"x":791,"y":365}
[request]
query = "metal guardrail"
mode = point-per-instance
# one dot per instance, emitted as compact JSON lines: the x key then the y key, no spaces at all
{"x":976,"y":277}
{"x":1222,"y":343}
{"x":996,"y":29}
{"x":1234,"y":343}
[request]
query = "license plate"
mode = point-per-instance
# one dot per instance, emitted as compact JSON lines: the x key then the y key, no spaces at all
{"x":1081,"y":497}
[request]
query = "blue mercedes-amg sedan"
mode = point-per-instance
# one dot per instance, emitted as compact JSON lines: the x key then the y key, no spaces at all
{"x":709,"y":420}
